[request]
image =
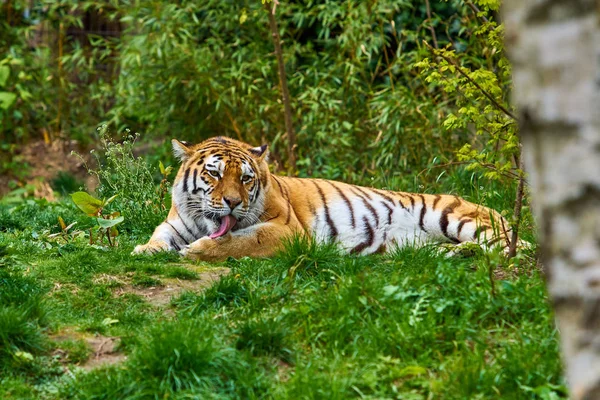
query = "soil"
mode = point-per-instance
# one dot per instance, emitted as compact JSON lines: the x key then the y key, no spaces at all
{"x":104,"y":352}
{"x":160,"y":296}
{"x":43,"y":161}
{"x":103,"y":349}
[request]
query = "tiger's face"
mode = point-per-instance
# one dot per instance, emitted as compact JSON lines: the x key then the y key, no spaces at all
{"x":221,"y":178}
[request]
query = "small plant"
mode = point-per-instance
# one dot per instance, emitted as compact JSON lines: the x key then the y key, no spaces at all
{"x":163,"y":189}
{"x":65,"y":231}
{"x":132,"y":179}
{"x":107,"y":223}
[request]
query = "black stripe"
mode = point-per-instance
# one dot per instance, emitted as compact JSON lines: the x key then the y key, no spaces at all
{"x":311,"y":207}
{"x":186,"y":176}
{"x":472,"y":214}
{"x":194,"y":178}
{"x":332,"y":228}
{"x":460,"y":226}
{"x":289,"y":205}
{"x":412,"y":202}
{"x":187,"y":228}
{"x":388,"y":198}
{"x":343,"y":196}
{"x":367,"y":204}
{"x":174,"y":244}
{"x":258,"y":183}
{"x":289,"y":213}
{"x":370,"y":237}
{"x":444,"y":219}
{"x":177,"y":232}
{"x":219,"y":151}
{"x":436,"y":200}
{"x":422,"y":216}
{"x":363,"y":192}
{"x":390,"y":212}
{"x":277,"y":216}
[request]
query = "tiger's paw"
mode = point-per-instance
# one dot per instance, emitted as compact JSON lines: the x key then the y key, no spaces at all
{"x":150,"y":248}
{"x":205,"y":249}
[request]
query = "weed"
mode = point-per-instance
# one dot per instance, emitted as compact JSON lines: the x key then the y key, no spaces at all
{"x":132,"y":180}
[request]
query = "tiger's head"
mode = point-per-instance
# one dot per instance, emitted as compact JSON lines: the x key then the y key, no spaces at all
{"x":221,"y":183}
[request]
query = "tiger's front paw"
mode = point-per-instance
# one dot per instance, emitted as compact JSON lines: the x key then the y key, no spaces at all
{"x":150,"y":248}
{"x":206,"y":249}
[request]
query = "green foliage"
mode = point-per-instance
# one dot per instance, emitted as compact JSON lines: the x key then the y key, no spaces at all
{"x":93,"y":207}
{"x":6,"y":98}
{"x":22,"y":318}
{"x":480,"y":89}
{"x":192,"y":70}
{"x":129,"y":183}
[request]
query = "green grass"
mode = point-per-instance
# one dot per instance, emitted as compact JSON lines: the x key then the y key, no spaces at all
{"x":310,"y":323}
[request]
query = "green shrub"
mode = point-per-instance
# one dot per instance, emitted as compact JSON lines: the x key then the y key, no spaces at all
{"x":132,"y":180}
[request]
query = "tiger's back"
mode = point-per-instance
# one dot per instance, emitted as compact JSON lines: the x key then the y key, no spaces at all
{"x":368,"y":220}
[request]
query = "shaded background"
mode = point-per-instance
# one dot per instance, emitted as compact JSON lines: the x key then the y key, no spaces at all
{"x":191,"y":70}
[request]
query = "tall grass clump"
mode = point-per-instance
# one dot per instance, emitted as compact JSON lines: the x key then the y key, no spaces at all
{"x":22,"y":319}
{"x":176,"y":359}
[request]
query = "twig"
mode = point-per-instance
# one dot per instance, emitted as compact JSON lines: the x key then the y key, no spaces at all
{"x":492,"y":280}
{"x":463,"y":73}
{"x":508,"y":174}
{"x":476,"y":11}
{"x":387,"y":60}
{"x":234,"y":125}
{"x":512,"y":249}
{"x":285,"y":94}
{"x":435,"y":42}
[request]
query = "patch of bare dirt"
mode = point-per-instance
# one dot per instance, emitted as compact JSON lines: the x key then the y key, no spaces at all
{"x":45,"y":161}
{"x":103,"y":349}
{"x":161,"y":296}
{"x":104,"y":352}
{"x":284,"y":370}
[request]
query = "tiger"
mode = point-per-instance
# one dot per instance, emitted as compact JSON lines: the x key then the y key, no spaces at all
{"x":227,"y":203}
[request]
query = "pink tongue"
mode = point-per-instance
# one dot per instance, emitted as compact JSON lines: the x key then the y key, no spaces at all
{"x":227,"y":222}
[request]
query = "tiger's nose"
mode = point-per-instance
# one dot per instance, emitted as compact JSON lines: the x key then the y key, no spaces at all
{"x":232,"y":202}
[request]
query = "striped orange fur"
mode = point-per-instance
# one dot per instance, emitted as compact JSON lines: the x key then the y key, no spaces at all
{"x":227,"y":203}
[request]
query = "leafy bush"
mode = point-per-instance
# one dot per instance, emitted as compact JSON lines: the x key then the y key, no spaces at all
{"x":142,"y":204}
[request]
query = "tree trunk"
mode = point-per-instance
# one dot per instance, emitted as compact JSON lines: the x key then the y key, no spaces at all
{"x":285,"y":94}
{"x":555,"y":50}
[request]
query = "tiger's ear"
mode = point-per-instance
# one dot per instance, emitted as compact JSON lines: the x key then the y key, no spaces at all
{"x":262,"y":152}
{"x":181,"y":150}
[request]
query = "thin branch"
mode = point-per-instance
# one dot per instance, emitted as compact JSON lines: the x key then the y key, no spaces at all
{"x":387,"y":61}
{"x":476,"y":11}
{"x":492,"y":167}
{"x":463,"y":73}
{"x":433,"y":36}
{"x":512,"y":249}
{"x":285,"y":94}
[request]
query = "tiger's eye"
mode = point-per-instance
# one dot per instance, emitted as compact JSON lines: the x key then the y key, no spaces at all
{"x":246,"y":178}
{"x":214,"y":174}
